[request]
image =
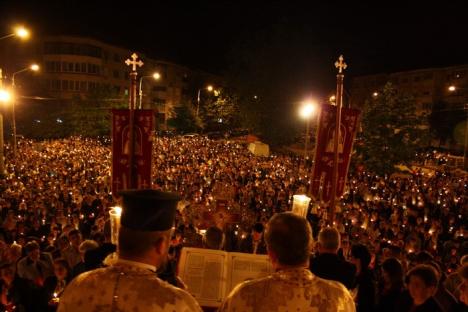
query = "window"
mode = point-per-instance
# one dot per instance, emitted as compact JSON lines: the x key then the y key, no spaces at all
{"x":50,"y":67}
{"x":83,"y":67}
{"x":77,"y":67}
{"x":159,"y":101}
{"x":160,"y":88}
{"x":65,"y":85}
{"x":77,"y":86}
{"x":70,"y":67}
{"x":116,"y":57}
{"x":117,"y":89}
{"x":115,"y":73}
{"x":82,"y":85}
{"x":64,"y":66}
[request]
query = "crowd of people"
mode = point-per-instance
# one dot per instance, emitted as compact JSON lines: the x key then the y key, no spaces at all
{"x":399,"y":240}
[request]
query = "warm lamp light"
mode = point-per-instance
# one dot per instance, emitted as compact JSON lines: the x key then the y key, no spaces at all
{"x":5,"y":96}
{"x":22,"y":32}
{"x":307,"y":110}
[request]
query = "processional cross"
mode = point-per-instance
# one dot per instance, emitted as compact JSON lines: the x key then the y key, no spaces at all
{"x":134,"y":63}
{"x":340,"y":64}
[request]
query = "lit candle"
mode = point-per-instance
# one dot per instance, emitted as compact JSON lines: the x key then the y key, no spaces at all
{"x":115,"y":213}
{"x":300,"y":205}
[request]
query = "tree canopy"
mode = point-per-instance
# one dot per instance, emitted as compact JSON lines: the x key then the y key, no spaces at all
{"x":392,"y":131}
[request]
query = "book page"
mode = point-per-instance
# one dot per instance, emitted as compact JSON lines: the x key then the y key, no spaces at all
{"x":204,"y":273}
{"x":243,"y":267}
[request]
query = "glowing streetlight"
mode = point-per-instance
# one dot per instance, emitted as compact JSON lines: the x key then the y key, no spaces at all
{"x":19,"y":32}
{"x":155,"y":76}
{"x":375,"y":94}
{"x":452,"y":88}
{"x":209,"y":88}
{"x":5,"y":96}
{"x":306,"y":111}
{"x":22,"y":32}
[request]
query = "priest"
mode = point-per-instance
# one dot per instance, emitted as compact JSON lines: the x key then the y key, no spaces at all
{"x":131,"y":284}
{"x":293,"y":287}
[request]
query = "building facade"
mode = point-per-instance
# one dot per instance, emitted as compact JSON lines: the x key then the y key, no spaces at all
{"x":77,"y":67}
{"x":429,"y":87}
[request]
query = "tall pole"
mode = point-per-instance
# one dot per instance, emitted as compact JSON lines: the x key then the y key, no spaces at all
{"x":465,"y":164}
{"x":307,"y":137}
{"x":140,"y":92}
{"x":2,"y":161}
{"x":339,"y":100}
{"x":13,"y":86}
{"x":198,"y":101}
{"x":132,"y":106}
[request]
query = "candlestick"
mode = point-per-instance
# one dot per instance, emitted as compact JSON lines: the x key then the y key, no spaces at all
{"x":300,"y":205}
{"x":115,"y":213}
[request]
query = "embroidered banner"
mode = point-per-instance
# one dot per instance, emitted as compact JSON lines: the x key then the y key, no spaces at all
{"x":324,"y":151}
{"x":143,"y":127}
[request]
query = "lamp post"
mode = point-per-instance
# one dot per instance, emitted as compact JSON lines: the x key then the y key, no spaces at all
{"x":209,"y":88}
{"x":33,"y":67}
{"x":155,"y":76}
{"x":19,"y":32}
{"x":4,"y":97}
{"x":453,"y":88}
{"x":306,"y":111}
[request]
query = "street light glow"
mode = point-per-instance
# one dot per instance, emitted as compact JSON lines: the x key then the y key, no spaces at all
{"x":307,"y":110}
{"x":22,"y":32}
{"x":332,"y":98}
{"x":375,"y":94}
{"x":157,"y":76}
{"x":209,"y":88}
{"x":5,"y":96}
{"x":34,"y":67}
{"x":452,"y":88}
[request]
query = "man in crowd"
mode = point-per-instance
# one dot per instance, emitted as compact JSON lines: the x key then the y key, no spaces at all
{"x":36,"y":266}
{"x":292,"y":287}
{"x":131,"y":283}
{"x":254,"y":242}
{"x":327,"y":264}
{"x":72,"y":252}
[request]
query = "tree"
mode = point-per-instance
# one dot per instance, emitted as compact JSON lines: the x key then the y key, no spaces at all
{"x":91,"y":117}
{"x":221,"y":111}
{"x":185,"y":119}
{"x":391,"y":131}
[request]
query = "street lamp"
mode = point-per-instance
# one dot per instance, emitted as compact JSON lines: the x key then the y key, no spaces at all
{"x":208,"y":88}
{"x":33,"y":67}
{"x":155,"y":76}
{"x":19,"y":32}
{"x":306,"y":111}
{"x":453,"y":88}
{"x":4,"y":97}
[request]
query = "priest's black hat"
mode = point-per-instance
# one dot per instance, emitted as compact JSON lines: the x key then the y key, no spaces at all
{"x":148,"y":210}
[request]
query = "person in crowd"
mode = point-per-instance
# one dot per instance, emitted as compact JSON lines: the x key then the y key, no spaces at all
{"x":327,"y":264}
{"x":422,"y":284}
{"x":17,"y":294}
{"x":131,"y":283}
{"x":81,"y":267}
{"x":214,"y":238}
{"x":292,"y":287}
{"x":392,"y":285}
{"x":55,"y":285}
{"x":364,"y":288}
{"x":254,"y":242}
{"x":72,"y":253}
{"x":452,"y":281}
{"x":463,"y":287}
{"x":36,"y":266}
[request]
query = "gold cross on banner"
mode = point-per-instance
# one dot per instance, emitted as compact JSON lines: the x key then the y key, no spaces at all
{"x":340,"y":64}
{"x":134,"y":62}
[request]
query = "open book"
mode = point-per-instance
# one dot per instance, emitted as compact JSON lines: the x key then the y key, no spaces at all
{"x":211,"y":274}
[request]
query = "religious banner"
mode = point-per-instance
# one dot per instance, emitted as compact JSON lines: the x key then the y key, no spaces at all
{"x":324,"y":151}
{"x":143,"y":127}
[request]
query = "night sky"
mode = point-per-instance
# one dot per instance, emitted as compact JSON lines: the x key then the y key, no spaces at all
{"x":206,"y":34}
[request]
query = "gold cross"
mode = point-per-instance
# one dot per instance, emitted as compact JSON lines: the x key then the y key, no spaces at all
{"x":340,"y":64}
{"x":134,"y":62}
